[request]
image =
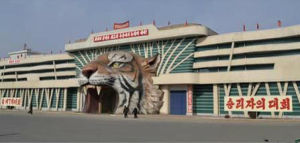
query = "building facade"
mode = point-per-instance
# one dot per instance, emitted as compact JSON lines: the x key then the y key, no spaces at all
{"x":255,"y":63}
{"x":198,"y":70}
{"x":46,"y":81}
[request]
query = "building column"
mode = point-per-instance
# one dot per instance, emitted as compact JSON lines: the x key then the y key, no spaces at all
{"x":11,"y":93}
{"x":16,"y":74}
{"x":80,"y":96}
{"x":54,"y":67}
{"x":36,"y":93}
{"x":41,"y":99}
{"x":57,"y":91}
{"x":216,"y":99}
{"x":22,"y":92}
{"x":2,"y":74}
{"x":65,"y":99}
{"x":25,"y":98}
{"x":230,"y":57}
{"x":82,"y":99}
{"x":1,"y":91}
{"x":165,"y":109}
{"x":78,"y":99}
{"x":50,"y":95}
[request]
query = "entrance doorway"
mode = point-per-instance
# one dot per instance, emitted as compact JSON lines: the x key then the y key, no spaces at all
{"x":178,"y":102}
{"x":108,"y":99}
{"x":105,"y":102}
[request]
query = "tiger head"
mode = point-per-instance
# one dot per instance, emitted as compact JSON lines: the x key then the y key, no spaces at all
{"x":129,"y":75}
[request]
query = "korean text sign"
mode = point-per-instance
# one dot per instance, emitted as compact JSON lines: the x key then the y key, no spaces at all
{"x":258,"y":103}
{"x":8,"y":101}
{"x":121,"y":35}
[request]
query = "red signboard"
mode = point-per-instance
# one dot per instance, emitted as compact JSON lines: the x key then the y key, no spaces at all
{"x":9,"y":101}
{"x":121,"y":35}
{"x":121,"y":25}
{"x":190,"y":99}
{"x":258,"y":103}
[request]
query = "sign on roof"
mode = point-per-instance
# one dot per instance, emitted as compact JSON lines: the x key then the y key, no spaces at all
{"x":12,"y":61}
{"x":121,"y":35}
{"x":121,"y":25}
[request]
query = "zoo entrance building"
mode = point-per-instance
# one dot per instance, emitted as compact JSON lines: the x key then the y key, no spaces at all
{"x":198,"y":72}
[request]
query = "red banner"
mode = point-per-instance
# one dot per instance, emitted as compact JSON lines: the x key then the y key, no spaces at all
{"x":190,"y":99}
{"x":258,"y":103}
{"x":121,"y":25}
{"x":121,"y":35}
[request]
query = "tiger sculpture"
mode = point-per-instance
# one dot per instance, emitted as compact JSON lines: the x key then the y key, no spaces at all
{"x":130,"y":75}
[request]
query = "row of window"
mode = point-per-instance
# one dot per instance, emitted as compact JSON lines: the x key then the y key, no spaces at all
{"x":249,"y":55}
{"x":212,"y":58}
{"x":214,"y":47}
{"x":266,"y":54}
{"x":37,"y":64}
{"x":250,"y":43}
{"x":39,"y":71}
{"x":268,"y":41}
{"x":13,"y":79}
{"x":237,"y":68}
{"x":58,"y":77}
{"x":41,"y":78}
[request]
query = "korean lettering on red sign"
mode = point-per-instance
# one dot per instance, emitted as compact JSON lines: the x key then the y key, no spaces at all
{"x":262,"y":103}
{"x":11,"y":101}
{"x":122,"y":35}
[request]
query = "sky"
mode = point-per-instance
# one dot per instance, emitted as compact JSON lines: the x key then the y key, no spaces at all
{"x":46,"y":25}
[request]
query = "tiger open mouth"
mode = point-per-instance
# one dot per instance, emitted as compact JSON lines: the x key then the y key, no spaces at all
{"x":116,"y":80}
{"x":99,"y":99}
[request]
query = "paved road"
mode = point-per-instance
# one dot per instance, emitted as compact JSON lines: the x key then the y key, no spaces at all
{"x":67,"y":126}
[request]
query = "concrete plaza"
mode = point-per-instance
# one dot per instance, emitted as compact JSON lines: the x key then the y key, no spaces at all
{"x":19,"y":126}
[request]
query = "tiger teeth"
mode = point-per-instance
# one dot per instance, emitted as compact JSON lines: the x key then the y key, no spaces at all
{"x":90,"y":86}
{"x":86,"y":87}
{"x":85,"y":90}
{"x":98,"y":88}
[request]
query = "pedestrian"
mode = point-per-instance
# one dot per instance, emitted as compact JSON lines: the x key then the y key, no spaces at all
{"x":30,"y":109}
{"x":125,"y":111}
{"x":135,"y":112}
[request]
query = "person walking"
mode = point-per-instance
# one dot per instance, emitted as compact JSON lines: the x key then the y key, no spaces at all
{"x":125,"y":112}
{"x":135,"y":112}
{"x":30,"y":109}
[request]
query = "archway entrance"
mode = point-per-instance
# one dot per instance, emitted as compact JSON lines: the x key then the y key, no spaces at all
{"x":105,"y":102}
{"x":109,"y":100}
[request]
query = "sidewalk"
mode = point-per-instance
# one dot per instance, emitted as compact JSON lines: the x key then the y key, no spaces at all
{"x":161,"y":117}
